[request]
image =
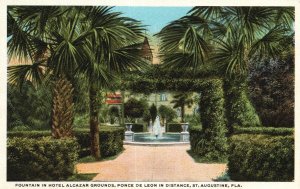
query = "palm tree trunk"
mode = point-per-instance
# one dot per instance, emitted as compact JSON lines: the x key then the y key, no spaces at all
{"x":182,"y":114}
{"x":62,"y":114}
{"x":94,"y":122}
{"x":122,"y":123}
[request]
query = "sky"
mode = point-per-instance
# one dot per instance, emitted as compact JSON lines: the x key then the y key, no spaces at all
{"x":154,"y":17}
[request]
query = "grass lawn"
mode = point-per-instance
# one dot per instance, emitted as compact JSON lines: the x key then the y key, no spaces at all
{"x":89,"y":159}
{"x":82,"y":177}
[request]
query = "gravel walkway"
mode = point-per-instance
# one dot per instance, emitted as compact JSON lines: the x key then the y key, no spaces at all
{"x":153,"y":163}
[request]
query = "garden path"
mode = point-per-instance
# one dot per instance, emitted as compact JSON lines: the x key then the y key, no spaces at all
{"x":153,"y":163}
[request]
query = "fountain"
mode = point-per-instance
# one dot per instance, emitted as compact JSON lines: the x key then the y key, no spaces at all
{"x":157,"y":128}
{"x":156,"y":136}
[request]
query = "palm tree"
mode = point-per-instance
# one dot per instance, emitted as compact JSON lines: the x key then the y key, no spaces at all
{"x":181,"y":100}
{"x":112,"y":40}
{"x":33,"y":36}
{"x":70,"y":41}
{"x":227,"y":39}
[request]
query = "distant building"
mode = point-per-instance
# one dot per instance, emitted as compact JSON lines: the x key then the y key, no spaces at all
{"x":113,"y":99}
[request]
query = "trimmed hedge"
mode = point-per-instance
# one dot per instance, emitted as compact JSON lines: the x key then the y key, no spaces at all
{"x":111,"y":139}
{"x":195,"y":134}
{"x":263,"y":130}
{"x":43,"y":159}
{"x":239,"y":109}
{"x":28,"y":134}
{"x":138,"y":128}
{"x":261,"y":158}
{"x":174,"y":127}
{"x":211,"y":143}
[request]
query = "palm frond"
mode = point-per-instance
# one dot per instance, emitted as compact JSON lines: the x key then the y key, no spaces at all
{"x":19,"y":39}
{"x":267,"y":46}
{"x":285,"y":16}
{"x":207,"y":12}
{"x":229,"y":55}
{"x":35,"y":73}
{"x":127,"y":59}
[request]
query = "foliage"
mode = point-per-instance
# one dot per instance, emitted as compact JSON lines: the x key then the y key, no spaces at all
{"x":226,"y":37}
{"x":73,"y":40}
{"x":104,"y":113}
{"x":166,"y":113}
{"x":181,"y":100}
{"x":174,"y":127}
{"x":80,"y":96}
{"x":111,"y":139}
{"x":274,"y":131}
{"x":271,"y":87}
{"x":29,"y":107}
{"x":153,"y":112}
{"x":81,"y":120}
{"x":62,"y":109}
{"x":114,"y":113}
{"x":261,"y":158}
{"x":210,"y":142}
{"x":136,"y":127}
{"x":134,"y":108}
{"x":200,"y":159}
{"x":194,"y":120}
{"x":223,"y":177}
{"x":240,"y":110}
{"x":29,"y":134}
{"x":42,"y":159}
{"x":147,"y":82}
{"x":146,"y":116}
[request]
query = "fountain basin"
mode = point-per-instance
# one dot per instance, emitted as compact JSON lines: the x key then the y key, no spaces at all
{"x":150,"y":139}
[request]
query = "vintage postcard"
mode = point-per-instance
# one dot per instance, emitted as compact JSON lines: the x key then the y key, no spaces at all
{"x":149,"y":94}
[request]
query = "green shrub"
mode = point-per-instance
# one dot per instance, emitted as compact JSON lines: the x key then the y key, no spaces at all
{"x":239,"y":109}
{"x":174,"y":127}
{"x":263,"y":130}
{"x":81,"y":121}
{"x":261,"y":158}
{"x":193,"y":120}
{"x":137,"y":128}
{"x":111,"y":139}
{"x":195,"y":134}
{"x":28,"y":134}
{"x":211,"y":142}
{"x":29,"y":106}
{"x":40,"y":159}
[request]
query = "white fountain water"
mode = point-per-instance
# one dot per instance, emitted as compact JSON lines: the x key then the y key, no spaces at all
{"x":157,"y":128}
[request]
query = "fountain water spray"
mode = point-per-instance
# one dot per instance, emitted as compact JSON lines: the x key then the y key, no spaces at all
{"x":157,"y":128}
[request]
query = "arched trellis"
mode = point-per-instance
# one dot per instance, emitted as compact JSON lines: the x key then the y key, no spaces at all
{"x":212,"y":109}
{"x":220,"y":99}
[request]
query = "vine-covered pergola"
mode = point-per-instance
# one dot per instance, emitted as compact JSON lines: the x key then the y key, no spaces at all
{"x":222,"y":104}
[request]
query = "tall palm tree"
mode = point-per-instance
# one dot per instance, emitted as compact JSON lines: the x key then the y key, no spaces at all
{"x":72,"y":41}
{"x":226,"y":39}
{"x":33,"y":37}
{"x":226,"y":36}
{"x":181,"y":100}
{"x":115,"y":54}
